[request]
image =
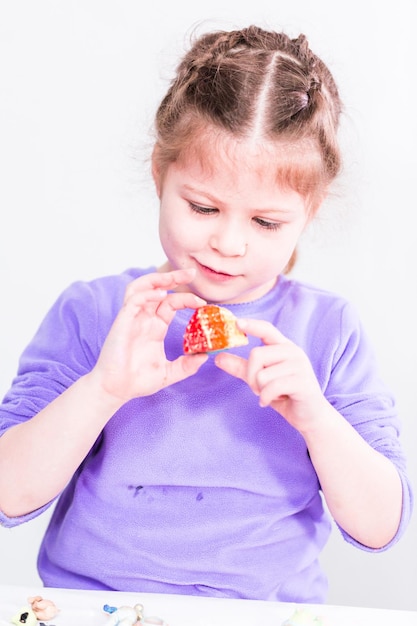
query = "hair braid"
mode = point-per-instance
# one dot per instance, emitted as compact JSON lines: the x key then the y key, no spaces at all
{"x":253,"y":82}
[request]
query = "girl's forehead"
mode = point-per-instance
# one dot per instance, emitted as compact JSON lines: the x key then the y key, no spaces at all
{"x":242,"y":179}
{"x":294,"y":164}
{"x":223,"y":152}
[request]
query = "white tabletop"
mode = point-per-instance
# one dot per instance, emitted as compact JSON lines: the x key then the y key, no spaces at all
{"x":85,"y":608}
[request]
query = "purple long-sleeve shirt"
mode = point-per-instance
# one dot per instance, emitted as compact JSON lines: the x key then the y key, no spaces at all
{"x":196,"y":489}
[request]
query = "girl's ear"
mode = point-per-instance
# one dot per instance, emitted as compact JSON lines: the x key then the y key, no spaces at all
{"x":156,"y":173}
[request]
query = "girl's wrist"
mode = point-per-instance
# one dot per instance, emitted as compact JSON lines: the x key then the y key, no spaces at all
{"x":97,"y":395}
{"x":324,"y":419}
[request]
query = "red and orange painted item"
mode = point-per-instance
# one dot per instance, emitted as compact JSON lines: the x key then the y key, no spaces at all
{"x":212,"y":328}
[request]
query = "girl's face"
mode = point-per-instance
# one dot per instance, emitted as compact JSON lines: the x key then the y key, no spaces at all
{"x":231,"y":221}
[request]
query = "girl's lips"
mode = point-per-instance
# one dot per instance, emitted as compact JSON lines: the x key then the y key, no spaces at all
{"x":213,"y":275}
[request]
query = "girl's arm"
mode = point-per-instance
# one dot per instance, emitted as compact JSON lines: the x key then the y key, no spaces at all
{"x":362,"y":487}
{"x":38,"y":457}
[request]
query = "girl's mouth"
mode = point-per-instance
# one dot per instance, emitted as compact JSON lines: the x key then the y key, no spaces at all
{"x":213,"y":274}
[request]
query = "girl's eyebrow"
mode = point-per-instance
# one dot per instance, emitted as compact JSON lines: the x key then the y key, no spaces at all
{"x":206,"y":194}
{"x":276,"y":210}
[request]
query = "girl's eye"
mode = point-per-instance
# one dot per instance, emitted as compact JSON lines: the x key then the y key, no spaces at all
{"x":202,"y":210}
{"x":267,"y":225}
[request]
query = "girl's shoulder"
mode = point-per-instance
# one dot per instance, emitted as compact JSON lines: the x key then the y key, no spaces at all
{"x":297,"y":298}
{"x":317,"y":305}
{"x":105,"y":291}
{"x":87,"y":304}
{"x":110,"y":281}
{"x":302,"y":290}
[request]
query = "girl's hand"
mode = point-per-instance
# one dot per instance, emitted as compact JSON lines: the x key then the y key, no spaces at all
{"x":279,"y":372}
{"x":132,"y":361}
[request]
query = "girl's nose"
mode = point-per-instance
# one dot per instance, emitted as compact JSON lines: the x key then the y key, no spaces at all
{"x":229,"y":240}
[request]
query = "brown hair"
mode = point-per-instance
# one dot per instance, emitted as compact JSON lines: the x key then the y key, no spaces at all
{"x":255,"y":83}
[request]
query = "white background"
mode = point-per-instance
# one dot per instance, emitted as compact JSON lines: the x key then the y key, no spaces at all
{"x":79,"y":84}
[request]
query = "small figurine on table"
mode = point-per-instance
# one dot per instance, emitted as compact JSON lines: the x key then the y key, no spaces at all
{"x":38,"y":609}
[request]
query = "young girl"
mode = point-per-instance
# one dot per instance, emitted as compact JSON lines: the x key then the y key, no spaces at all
{"x":204,"y":474}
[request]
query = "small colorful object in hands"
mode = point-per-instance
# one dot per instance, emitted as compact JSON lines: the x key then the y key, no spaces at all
{"x":212,"y":328}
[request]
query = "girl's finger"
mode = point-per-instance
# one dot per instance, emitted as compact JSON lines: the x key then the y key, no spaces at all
{"x":183,"y":367}
{"x":275,"y":390}
{"x":140,"y":298}
{"x":162,"y":280}
{"x":264,"y":330}
{"x":176,"y":301}
{"x":232,"y":364}
{"x":263,"y":358}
